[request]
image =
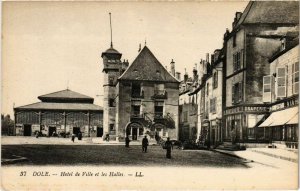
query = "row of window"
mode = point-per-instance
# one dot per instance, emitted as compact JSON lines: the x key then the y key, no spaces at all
{"x":136,"y":109}
{"x":281,"y":82}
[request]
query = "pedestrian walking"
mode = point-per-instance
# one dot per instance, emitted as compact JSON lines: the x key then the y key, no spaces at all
{"x":73,"y":137}
{"x":168,"y":146}
{"x":127,"y":141}
{"x":79,"y":135}
{"x":145,"y":144}
{"x":107,"y":137}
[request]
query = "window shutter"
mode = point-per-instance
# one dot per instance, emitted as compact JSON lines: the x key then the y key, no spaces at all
{"x":267,"y":88}
{"x":234,"y":62}
{"x":238,"y":60}
{"x":216,"y":79}
{"x":281,"y":82}
{"x":295,"y":78}
{"x":242,"y":59}
{"x":240,"y":91}
{"x":233,"y":95}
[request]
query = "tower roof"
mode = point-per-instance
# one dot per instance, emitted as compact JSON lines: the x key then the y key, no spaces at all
{"x":146,"y":67}
{"x":111,"y":51}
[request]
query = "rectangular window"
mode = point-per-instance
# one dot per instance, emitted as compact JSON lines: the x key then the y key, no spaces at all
{"x":159,"y":89}
{"x":112,"y":127}
{"x":111,"y":81}
{"x":281,"y":83}
{"x":207,"y":89}
{"x":237,"y":60}
{"x":267,"y":88}
{"x":234,"y":40}
{"x":158,"y":109}
{"x":215,"y":79}
{"x":237,"y":93}
{"x":136,"y":90}
{"x":136,"y":109}
{"x":295,"y":78}
{"x":112,"y":102}
{"x":213,"y":105}
{"x":185,"y":116}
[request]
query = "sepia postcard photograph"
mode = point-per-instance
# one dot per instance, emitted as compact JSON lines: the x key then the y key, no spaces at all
{"x":149,"y":95}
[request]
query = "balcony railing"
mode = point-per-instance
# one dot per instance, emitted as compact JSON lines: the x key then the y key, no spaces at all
{"x":160,"y":94}
{"x":137,"y":115}
{"x":158,"y":115}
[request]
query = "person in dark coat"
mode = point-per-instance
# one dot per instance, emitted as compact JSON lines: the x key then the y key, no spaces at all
{"x":73,"y":137}
{"x":127,"y":140}
{"x":79,"y":135}
{"x":145,"y":144}
{"x":168,"y":146}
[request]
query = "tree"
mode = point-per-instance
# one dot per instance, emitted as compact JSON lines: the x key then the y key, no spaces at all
{"x":7,"y":125}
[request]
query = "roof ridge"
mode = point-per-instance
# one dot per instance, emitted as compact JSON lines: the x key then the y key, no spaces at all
{"x":53,"y":93}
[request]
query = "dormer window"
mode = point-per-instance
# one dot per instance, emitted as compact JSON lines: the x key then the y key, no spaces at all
{"x":283,"y":44}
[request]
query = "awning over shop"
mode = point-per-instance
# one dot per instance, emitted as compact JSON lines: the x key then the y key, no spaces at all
{"x":282,"y":117}
{"x":294,"y":120}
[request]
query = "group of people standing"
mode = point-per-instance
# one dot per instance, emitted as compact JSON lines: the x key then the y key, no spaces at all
{"x":145,"y":143}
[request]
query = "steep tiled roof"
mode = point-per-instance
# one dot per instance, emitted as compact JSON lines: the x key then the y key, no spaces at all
{"x":147,"y":68}
{"x":61,"y":106}
{"x":65,"y":94}
{"x":270,"y":12}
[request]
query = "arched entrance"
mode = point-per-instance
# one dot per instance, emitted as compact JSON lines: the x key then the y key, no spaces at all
{"x":160,"y":130}
{"x":134,"y":130}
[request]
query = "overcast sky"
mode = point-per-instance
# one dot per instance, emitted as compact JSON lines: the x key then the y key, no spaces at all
{"x":47,"y":46}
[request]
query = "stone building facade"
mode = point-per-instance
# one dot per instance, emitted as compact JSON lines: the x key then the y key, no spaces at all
{"x":188,"y":107}
{"x":281,"y":91}
{"x":62,"y":113}
{"x":255,"y":37}
{"x":146,"y":100}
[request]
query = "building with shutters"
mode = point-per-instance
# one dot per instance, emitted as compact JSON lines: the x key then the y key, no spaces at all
{"x":256,"y":35}
{"x":281,"y":91}
{"x":146,"y":100}
{"x":62,"y":113}
{"x":188,"y":107}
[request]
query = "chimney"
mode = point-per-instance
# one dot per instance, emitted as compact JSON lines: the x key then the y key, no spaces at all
{"x":238,"y":16}
{"x":178,"y":77}
{"x":226,"y":34}
{"x":172,"y":67}
{"x":236,"y":19}
{"x":204,"y":64}
{"x":212,"y":58}
{"x":207,"y":57}
{"x":195,"y":73}
{"x":186,"y":76}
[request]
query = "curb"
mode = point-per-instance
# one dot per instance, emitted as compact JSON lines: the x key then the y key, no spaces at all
{"x":13,"y":161}
{"x":227,"y":153}
{"x":276,"y":156}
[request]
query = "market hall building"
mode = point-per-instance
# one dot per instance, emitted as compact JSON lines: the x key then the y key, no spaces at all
{"x":63,"y":113}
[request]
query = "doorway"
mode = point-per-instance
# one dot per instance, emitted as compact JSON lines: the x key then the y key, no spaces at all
{"x":76,"y":130}
{"x":51,"y":130}
{"x":134,"y":133}
{"x":27,"y":130}
{"x":99,"y":131}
